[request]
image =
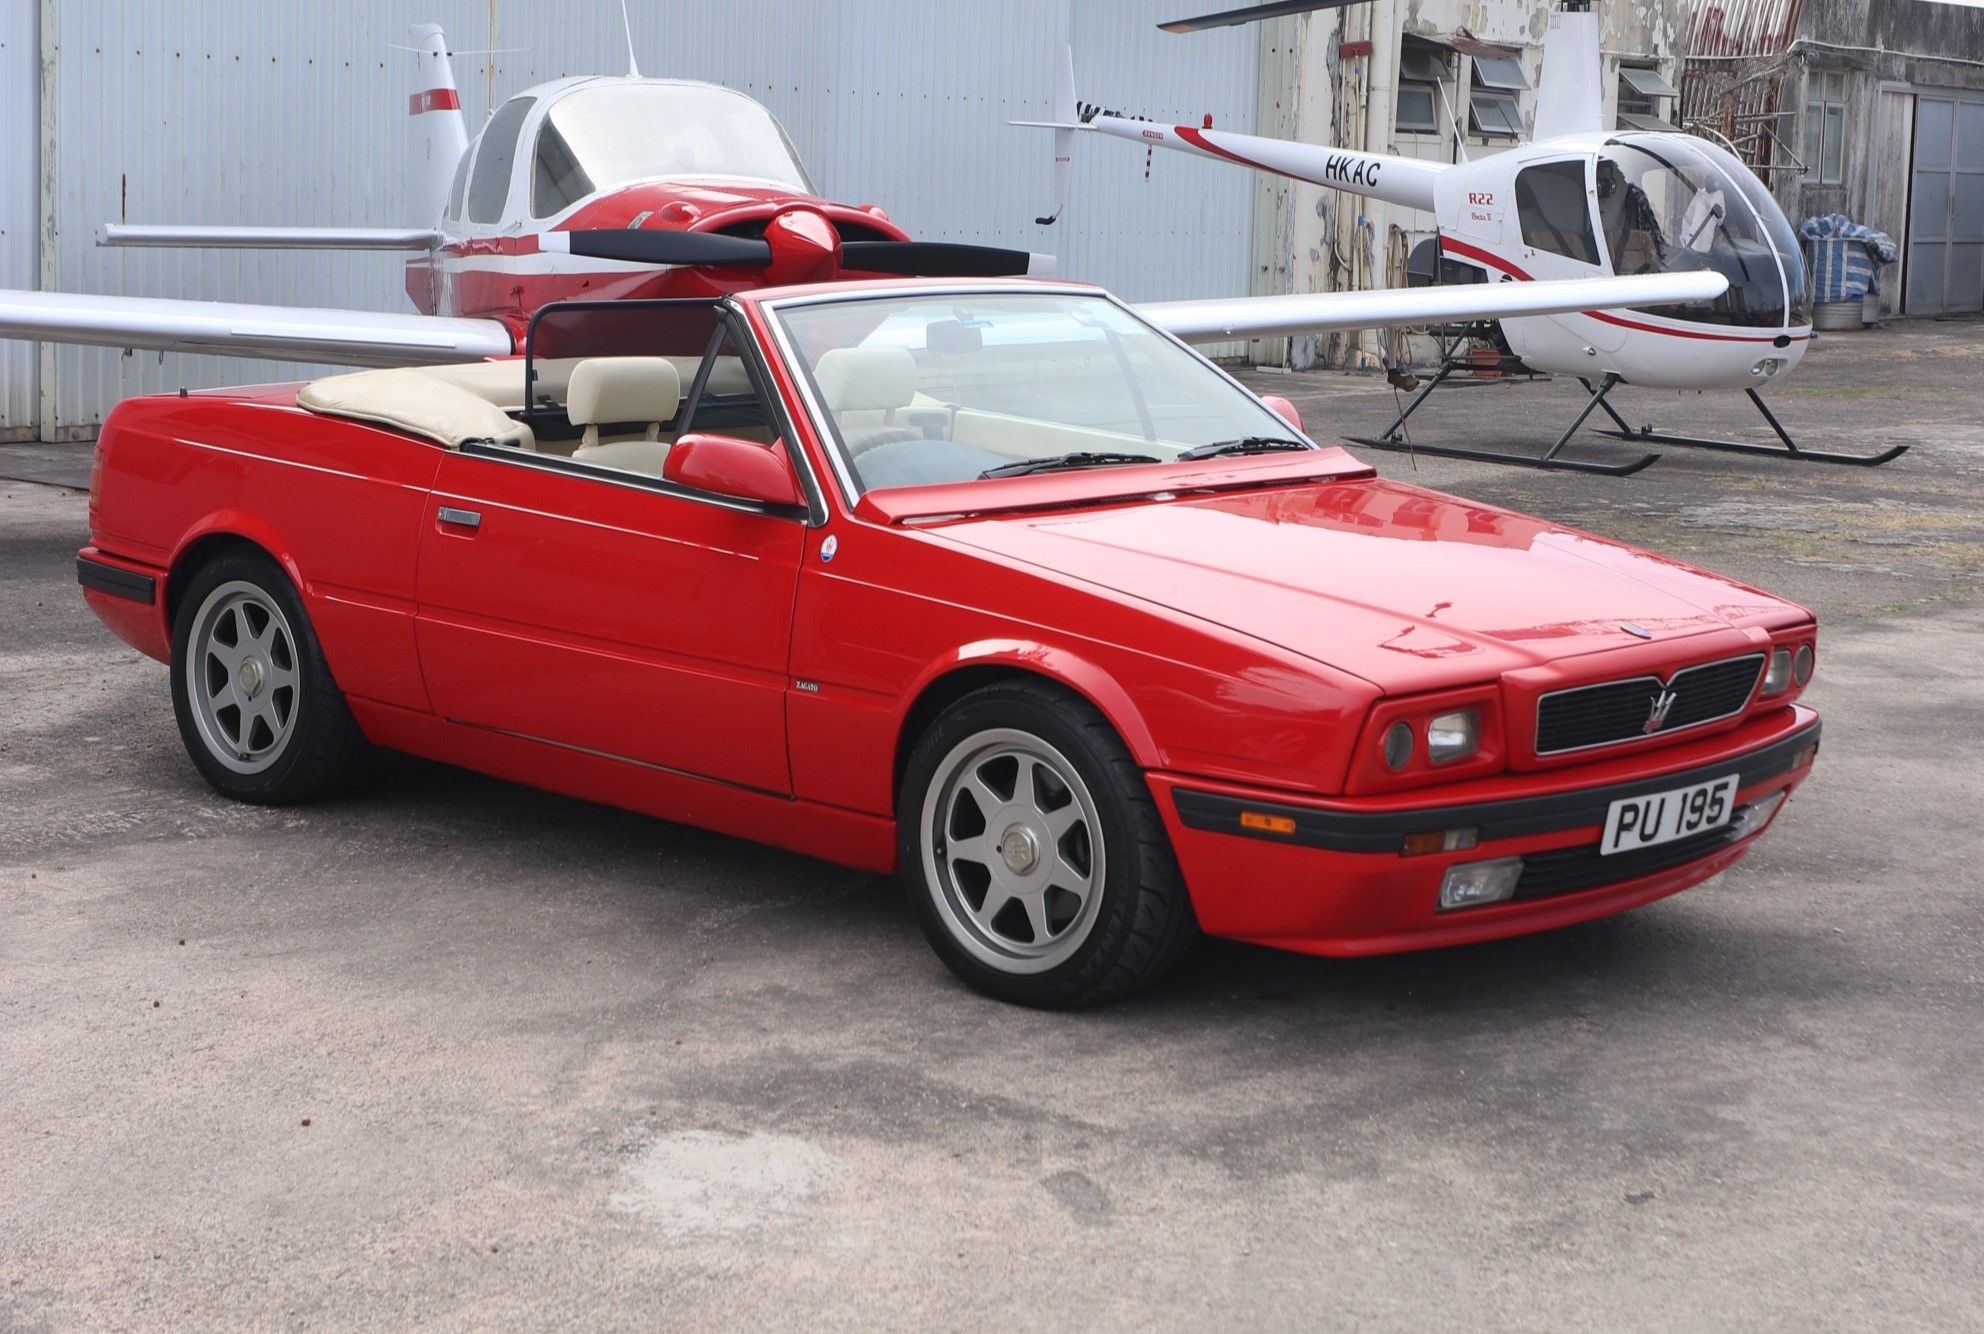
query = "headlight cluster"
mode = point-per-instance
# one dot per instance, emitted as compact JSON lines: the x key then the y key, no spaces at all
{"x":1449,"y":737}
{"x":1789,"y":664}
{"x":1430,"y":738}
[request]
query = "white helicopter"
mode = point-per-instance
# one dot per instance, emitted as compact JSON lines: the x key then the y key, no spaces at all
{"x":1577,"y":201}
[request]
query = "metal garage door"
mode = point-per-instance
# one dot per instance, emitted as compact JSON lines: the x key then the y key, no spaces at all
{"x":1946,"y":207}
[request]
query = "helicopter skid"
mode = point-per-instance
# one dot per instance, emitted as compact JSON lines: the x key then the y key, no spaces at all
{"x":1549,"y":462}
{"x":1788,"y":450}
{"x":1550,"y":459}
{"x":1646,"y":435}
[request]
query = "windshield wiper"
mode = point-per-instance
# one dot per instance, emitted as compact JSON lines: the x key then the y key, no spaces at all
{"x":1246,"y":444}
{"x":1056,"y":462}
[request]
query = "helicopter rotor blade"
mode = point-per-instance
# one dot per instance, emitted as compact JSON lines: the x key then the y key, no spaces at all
{"x":1252,"y":14}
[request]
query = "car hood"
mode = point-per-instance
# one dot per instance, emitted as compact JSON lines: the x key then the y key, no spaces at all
{"x":1407,"y":588}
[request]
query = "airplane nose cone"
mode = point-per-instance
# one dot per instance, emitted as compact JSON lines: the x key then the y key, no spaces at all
{"x":805,"y":247}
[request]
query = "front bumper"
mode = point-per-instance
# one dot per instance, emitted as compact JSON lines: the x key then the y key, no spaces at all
{"x":1328,"y":877}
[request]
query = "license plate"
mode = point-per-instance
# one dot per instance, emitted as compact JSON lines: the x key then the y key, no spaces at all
{"x":1661,"y":817}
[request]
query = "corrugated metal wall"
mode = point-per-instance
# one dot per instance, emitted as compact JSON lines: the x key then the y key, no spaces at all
{"x":242,"y":111}
{"x":19,"y":199}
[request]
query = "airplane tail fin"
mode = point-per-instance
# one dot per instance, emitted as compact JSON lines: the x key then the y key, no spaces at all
{"x":1067,"y":119}
{"x":440,"y":135}
{"x":1567,"y":100}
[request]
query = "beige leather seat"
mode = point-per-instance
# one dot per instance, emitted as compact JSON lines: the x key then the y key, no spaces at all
{"x":607,"y":391}
{"x":865,"y":387}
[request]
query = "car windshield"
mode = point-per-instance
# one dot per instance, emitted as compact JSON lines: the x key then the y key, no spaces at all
{"x":922,"y":389}
{"x":606,"y":135}
{"x":1673,"y":204}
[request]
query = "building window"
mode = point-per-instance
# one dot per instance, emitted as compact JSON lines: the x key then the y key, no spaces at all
{"x":1422,"y":68}
{"x":1642,"y":94}
{"x":1825,"y":126}
{"x":1492,"y":109}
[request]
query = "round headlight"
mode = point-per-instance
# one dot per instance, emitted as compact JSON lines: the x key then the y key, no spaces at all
{"x":1779,"y":675}
{"x":1398,"y":746}
{"x":1801,"y":666}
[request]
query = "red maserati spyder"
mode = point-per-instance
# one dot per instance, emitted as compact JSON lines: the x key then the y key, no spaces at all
{"x":995,"y":585}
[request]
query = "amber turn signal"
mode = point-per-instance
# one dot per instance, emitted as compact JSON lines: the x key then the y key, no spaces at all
{"x":1267,"y":824}
{"x":1436,"y":840}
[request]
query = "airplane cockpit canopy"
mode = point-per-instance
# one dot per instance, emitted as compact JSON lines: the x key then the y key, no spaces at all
{"x":1670,"y":203}
{"x":603,"y":135}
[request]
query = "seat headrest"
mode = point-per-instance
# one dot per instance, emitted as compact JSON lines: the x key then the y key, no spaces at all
{"x":866,"y":379}
{"x":622,"y":389}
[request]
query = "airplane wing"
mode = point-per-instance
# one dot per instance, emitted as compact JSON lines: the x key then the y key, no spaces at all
{"x":268,"y":238}
{"x":374,"y":338}
{"x":235,"y":329}
{"x":1224,"y":318}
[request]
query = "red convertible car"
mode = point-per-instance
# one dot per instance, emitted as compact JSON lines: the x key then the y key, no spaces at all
{"x":992,"y":584}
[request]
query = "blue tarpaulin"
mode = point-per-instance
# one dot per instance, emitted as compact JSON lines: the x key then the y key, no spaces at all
{"x":1843,"y":256}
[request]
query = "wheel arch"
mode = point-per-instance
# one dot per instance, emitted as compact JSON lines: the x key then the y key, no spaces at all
{"x":227,"y":530}
{"x":979,"y":665}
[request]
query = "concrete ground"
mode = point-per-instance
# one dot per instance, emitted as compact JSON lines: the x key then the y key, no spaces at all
{"x":457,"y":1054}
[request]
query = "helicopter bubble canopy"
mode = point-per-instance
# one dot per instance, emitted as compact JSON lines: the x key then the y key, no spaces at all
{"x":1671,"y":203}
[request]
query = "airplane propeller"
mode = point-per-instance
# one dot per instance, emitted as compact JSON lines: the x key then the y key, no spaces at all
{"x":715,"y":249}
{"x":637,"y":246}
{"x":942,"y":259}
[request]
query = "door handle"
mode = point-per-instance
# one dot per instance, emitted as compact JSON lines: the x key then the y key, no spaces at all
{"x":458,"y":518}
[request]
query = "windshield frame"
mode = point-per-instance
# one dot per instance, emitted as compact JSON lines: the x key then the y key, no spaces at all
{"x":545,"y":121}
{"x":822,"y":421}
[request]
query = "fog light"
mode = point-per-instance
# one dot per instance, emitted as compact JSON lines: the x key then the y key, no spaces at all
{"x":1474,"y":883}
{"x":1398,"y":746}
{"x":1779,"y":675}
{"x":1756,"y":815}
{"x":1453,"y":736}
{"x":1801,"y":666}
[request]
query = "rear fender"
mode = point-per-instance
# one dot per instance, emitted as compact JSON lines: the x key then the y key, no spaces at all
{"x":247,"y":526}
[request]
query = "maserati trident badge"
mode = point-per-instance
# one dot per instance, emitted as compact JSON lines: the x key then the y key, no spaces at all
{"x":1656,"y":718}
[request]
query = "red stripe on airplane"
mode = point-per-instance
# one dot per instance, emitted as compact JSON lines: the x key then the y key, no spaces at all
{"x":493,"y":245}
{"x":1495,"y":261}
{"x":434,"y":99}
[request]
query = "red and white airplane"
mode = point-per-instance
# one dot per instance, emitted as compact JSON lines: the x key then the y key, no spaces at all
{"x":605,"y":187}
{"x":1575,"y":202}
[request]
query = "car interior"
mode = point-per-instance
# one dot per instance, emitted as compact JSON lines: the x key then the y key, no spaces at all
{"x":619,"y":412}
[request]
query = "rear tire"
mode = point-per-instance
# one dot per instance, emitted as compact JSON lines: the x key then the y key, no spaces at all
{"x":1033,"y":854}
{"x":258,"y":711}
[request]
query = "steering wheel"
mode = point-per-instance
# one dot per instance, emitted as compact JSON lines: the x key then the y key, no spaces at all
{"x":892,"y":435}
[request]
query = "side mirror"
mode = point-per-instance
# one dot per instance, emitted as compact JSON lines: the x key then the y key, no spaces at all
{"x":728,"y":466}
{"x":1283,"y":409}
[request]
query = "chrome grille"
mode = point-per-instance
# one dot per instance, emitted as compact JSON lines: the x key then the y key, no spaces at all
{"x":1613,"y":712}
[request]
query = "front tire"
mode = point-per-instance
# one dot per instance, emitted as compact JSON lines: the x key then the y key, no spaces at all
{"x":1033,"y":854}
{"x":258,"y":711}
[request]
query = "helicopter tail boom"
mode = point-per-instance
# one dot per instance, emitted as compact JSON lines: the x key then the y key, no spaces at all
{"x":1399,"y":180}
{"x":1404,"y":181}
